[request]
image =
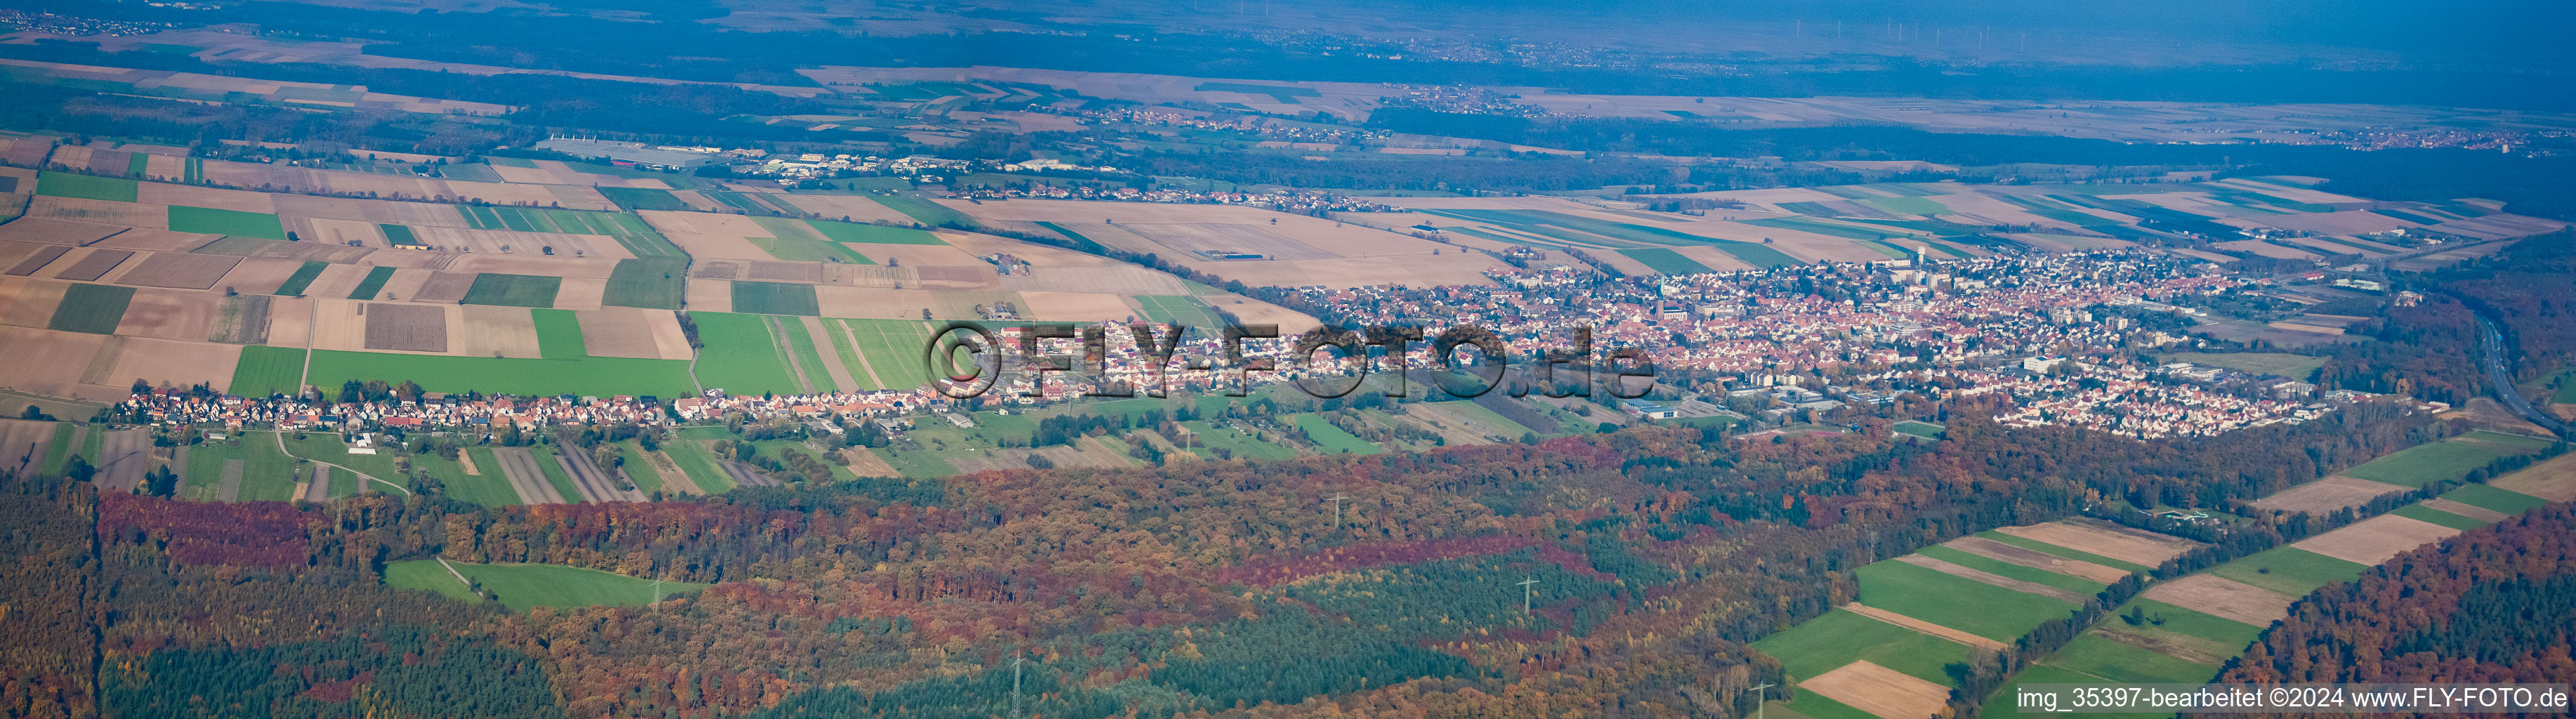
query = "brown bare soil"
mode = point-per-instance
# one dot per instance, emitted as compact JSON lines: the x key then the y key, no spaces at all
{"x":1883,"y":692}
{"x":2219,"y":596}
{"x":410,"y":328}
{"x":1076,"y":307}
{"x":240,"y":320}
{"x":170,"y":315}
{"x":46,"y":362}
{"x":853,"y":208}
{"x":2327,"y":495}
{"x":33,"y":228}
{"x":2553,"y":480}
{"x":179,"y":364}
{"x":2002,"y":552}
{"x":2109,"y":540}
{"x":674,"y":481}
{"x":29,"y":303}
{"x":617,"y":332}
{"x":500,"y":331}
{"x":23,"y":444}
{"x":259,"y":275}
{"x":93,"y":265}
{"x":444,"y":287}
{"x":156,"y":193}
{"x":103,"y":212}
{"x":1925,"y":627}
{"x":2466,"y":510}
{"x":32,"y":262}
{"x":868,"y":302}
{"x":2377,"y":539}
{"x":290,"y":321}
{"x":179,"y":270}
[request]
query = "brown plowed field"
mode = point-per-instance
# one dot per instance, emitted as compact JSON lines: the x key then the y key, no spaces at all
{"x":2002,"y":552}
{"x":93,"y":265}
{"x":2377,"y":539}
{"x":1883,"y":692}
{"x":2219,"y":596}
{"x":170,"y":315}
{"x":411,"y":328}
{"x":2327,"y":495}
{"x":2554,"y":480}
{"x":180,"y":270}
{"x":2109,"y":540}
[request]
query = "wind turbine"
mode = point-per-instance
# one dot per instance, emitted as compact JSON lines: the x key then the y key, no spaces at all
{"x":1760,"y":698}
{"x":1337,"y":509}
{"x":1526,"y":591}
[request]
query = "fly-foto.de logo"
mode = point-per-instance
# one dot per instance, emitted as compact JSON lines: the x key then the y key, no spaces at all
{"x":967,"y":359}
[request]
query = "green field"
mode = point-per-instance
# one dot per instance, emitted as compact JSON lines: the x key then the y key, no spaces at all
{"x":368,"y":288}
{"x":267,"y":475}
{"x":399,"y":235}
{"x":1964,"y":604}
{"x":1666,"y":261}
{"x":1183,"y":310}
{"x":95,"y":309}
{"x":1840,"y":637}
{"x":327,"y":447}
{"x":559,"y":334}
{"x":1330,"y":438}
{"x":2215,"y":634}
{"x":2078,"y":585}
{"x":699,"y":464}
{"x":491,"y":488}
{"x":647,"y":479}
{"x":2289,"y":570}
{"x":303,"y":278}
{"x":873,"y":234}
{"x":801,"y":344}
{"x":736,"y":200}
{"x":740,"y":357}
{"x":265,"y":370}
{"x":2103,"y":657}
{"x":522,"y":587}
{"x":773,"y":298}
{"x":2258,"y":363}
{"x":236,"y":223}
{"x":64,"y":184}
{"x":650,"y":283}
{"x":810,"y":251}
{"x":555,"y":473}
{"x":894,"y":348}
{"x":1242,"y":444}
{"x":925,"y":211}
{"x":2428,"y":463}
{"x":2423,"y":513}
{"x":640,"y":198}
{"x":593,"y":376}
{"x":62,"y":450}
{"x":2488,"y":497}
{"x":493,"y":288}
{"x":1821,"y":227}
{"x":1925,"y":430}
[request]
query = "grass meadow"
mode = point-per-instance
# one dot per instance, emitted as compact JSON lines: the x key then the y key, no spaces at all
{"x":2289,"y":570}
{"x":1959,"y":603}
{"x":522,"y":587}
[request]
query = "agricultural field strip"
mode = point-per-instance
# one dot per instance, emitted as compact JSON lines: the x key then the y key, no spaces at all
{"x":2253,"y":603}
{"x":520,"y":466}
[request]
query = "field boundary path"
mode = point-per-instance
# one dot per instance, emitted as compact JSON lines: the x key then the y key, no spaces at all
{"x":1925,"y":627}
{"x":451,"y":571}
{"x":362,"y":486}
{"x":231,"y":489}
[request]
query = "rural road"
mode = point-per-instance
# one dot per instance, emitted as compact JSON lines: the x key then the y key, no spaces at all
{"x":281,"y":449}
